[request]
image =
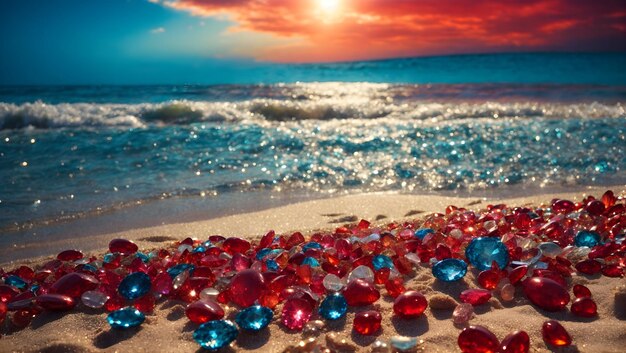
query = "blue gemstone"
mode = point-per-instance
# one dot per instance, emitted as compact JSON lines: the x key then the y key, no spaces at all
{"x":421,"y":233}
{"x":108,"y":257}
{"x":15,"y":281}
{"x":311,"y":261}
{"x":333,"y":307}
{"x":382,"y":261}
{"x":199,"y":249}
{"x":178,"y":269}
{"x":481,"y":252}
{"x":254,"y":318}
{"x":272,"y":265}
{"x":89,"y":267}
{"x":262,"y":253}
{"x":311,"y":245}
{"x":144,"y":258}
{"x":215,"y":334}
{"x":135,"y":285}
{"x":450,"y":270}
{"x":125,"y":318}
{"x":587,"y":238}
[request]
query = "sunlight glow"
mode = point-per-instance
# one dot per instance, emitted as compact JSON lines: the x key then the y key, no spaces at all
{"x":328,"y":6}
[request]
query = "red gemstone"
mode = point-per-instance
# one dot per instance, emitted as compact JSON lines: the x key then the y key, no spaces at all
{"x":74,"y":284}
{"x":236,"y":245}
{"x":515,"y":342}
{"x":551,"y":275}
{"x":361,"y":293}
{"x":475,"y":296}
{"x":6,"y":293}
{"x":367,"y":322}
{"x":204,"y":310}
{"x":442,"y":252}
{"x":489,"y":279}
{"x":55,"y":302}
{"x":555,"y":334}
{"x":595,"y":207}
{"x":589,"y":267}
{"x":123,"y":246}
{"x":145,"y":304}
{"x":609,"y":199}
{"x":269,"y":299}
{"x":381,"y":276}
{"x":410,"y":304}
{"x":478,"y":339}
{"x":246,"y":287}
{"x":70,"y":255}
{"x":395,"y":287}
{"x":563,"y":206}
{"x":190,"y":290}
{"x":584,"y":307}
{"x":3,"y":312}
{"x":517,"y":274}
{"x":581,"y":291}
{"x":22,"y":318}
{"x":612,"y":271}
{"x":546,"y":293}
{"x":115,"y":302}
{"x":296,"y":313}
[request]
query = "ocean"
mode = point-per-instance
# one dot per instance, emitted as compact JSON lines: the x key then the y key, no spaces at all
{"x":459,"y":125}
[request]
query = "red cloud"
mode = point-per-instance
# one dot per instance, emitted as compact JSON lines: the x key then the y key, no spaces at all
{"x":365,"y":29}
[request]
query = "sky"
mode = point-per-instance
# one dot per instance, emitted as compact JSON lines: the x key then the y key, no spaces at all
{"x":43,"y":41}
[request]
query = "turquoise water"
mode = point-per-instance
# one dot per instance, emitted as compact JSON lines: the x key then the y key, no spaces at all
{"x":76,"y":151}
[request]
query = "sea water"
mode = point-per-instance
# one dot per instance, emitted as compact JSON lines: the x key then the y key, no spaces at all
{"x":430,"y":125}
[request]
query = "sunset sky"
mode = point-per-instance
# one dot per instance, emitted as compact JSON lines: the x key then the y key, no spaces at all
{"x":41,"y":36}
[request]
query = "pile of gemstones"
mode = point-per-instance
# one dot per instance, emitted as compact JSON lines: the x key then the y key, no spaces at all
{"x":300,"y":282}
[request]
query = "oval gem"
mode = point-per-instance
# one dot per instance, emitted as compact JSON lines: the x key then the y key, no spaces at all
{"x":587,"y":238}
{"x":134,"y":285}
{"x":215,"y":334}
{"x":410,"y":304}
{"x":125,"y":318}
{"x":483,"y":251}
{"x":450,"y":270}
{"x":254,"y":318}
{"x":546,"y":293}
{"x":333,"y":307}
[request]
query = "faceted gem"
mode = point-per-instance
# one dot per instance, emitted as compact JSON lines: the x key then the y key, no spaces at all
{"x":546,"y":293}
{"x":550,"y":249}
{"x":555,"y":334}
{"x":70,"y":255}
{"x":581,"y":291}
{"x":236,"y":245}
{"x":246,"y":287}
{"x":94,"y":299}
{"x":333,"y":283}
{"x":361,"y":272}
{"x":333,"y":307}
{"x":450,"y":270}
{"x":589,"y":267}
{"x":254,"y":318}
{"x":462,"y":313}
{"x":517,"y":274}
{"x":114,"y":303}
{"x":123,"y":246}
{"x":145,"y":304}
{"x":481,"y":252}
{"x":163,"y":283}
{"x":584,"y":307}
{"x":489,"y":279}
{"x":475,"y":296}
{"x":15,"y":281}
{"x":215,"y":334}
{"x":361,"y":293}
{"x":410,"y":304}
{"x":587,"y":238}
{"x":477,"y":339}
{"x":395,"y":286}
{"x":55,"y":302}
{"x":515,"y":342}
{"x":202,"y":311}
{"x":402,"y":343}
{"x":134,"y":285}
{"x":125,"y":318}
{"x":382,"y":261}
{"x":421,"y":233}
{"x":74,"y":284}
{"x":296,"y":313}
{"x":367,"y":322}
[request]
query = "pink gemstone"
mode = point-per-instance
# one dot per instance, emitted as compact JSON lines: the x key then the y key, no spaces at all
{"x":462,"y":313}
{"x":246,"y":287}
{"x":546,"y":293}
{"x":123,"y":246}
{"x":477,"y":339}
{"x":236,"y":245}
{"x":515,"y":342}
{"x":555,"y":334}
{"x":475,"y":296}
{"x":74,"y":284}
{"x":367,"y":322}
{"x":204,"y":310}
{"x":410,"y":304}
{"x":361,"y":293}
{"x":55,"y":302}
{"x":70,"y":255}
{"x":584,"y":307}
{"x":162,"y":283}
{"x":296,"y":313}
{"x":581,"y":291}
{"x":240,"y":262}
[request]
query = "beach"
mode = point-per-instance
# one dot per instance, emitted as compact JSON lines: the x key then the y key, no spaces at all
{"x":168,"y":329}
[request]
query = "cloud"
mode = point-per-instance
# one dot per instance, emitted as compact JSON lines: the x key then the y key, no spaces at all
{"x":360,"y":29}
{"x":157,"y":30}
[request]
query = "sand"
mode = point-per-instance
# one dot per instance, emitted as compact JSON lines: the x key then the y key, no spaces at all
{"x":168,"y":330}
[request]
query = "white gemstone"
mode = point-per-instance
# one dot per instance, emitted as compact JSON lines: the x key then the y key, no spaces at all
{"x":550,"y":249}
{"x":94,"y":299}
{"x":363,"y":272}
{"x":402,"y":343}
{"x":456,"y":233}
{"x":180,"y":279}
{"x":333,"y":283}
{"x":184,"y":247}
{"x":209,"y":293}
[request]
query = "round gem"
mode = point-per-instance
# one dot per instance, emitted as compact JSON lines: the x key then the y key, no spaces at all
{"x":361,"y":272}
{"x":367,"y":322}
{"x":584,"y":307}
{"x":134,"y":285}
{"x":215,"y":334}
{"x":296,"y":313}
{"x":450,"y":270}
{"x":507,"y":292}
{"x":462,"y":313}
{"x":333,"y":283}
{"x":483,"y":251}
{"x":546,"y":293}
{"x":125,"y":318}
{"x":123,"y":246}
{"x":515,"y":342}
{"x":410,"y":304}
{"x":361,"y":293}
{"x":246,"y":287}
{"x":254,"y":318}
{"x":587,"y":238}
{"x":333,"y":307}
{"x":475,"y":296}
{"x":477,"y":339}
{"x":581,"y":291}
{"x":555,"y":334}
{"x":236,"y":245}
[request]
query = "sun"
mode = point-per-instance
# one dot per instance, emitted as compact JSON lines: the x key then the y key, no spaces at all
{"x":328,"y":6}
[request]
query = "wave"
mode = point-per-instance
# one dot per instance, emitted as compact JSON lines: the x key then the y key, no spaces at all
{"x":40,"y":115}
